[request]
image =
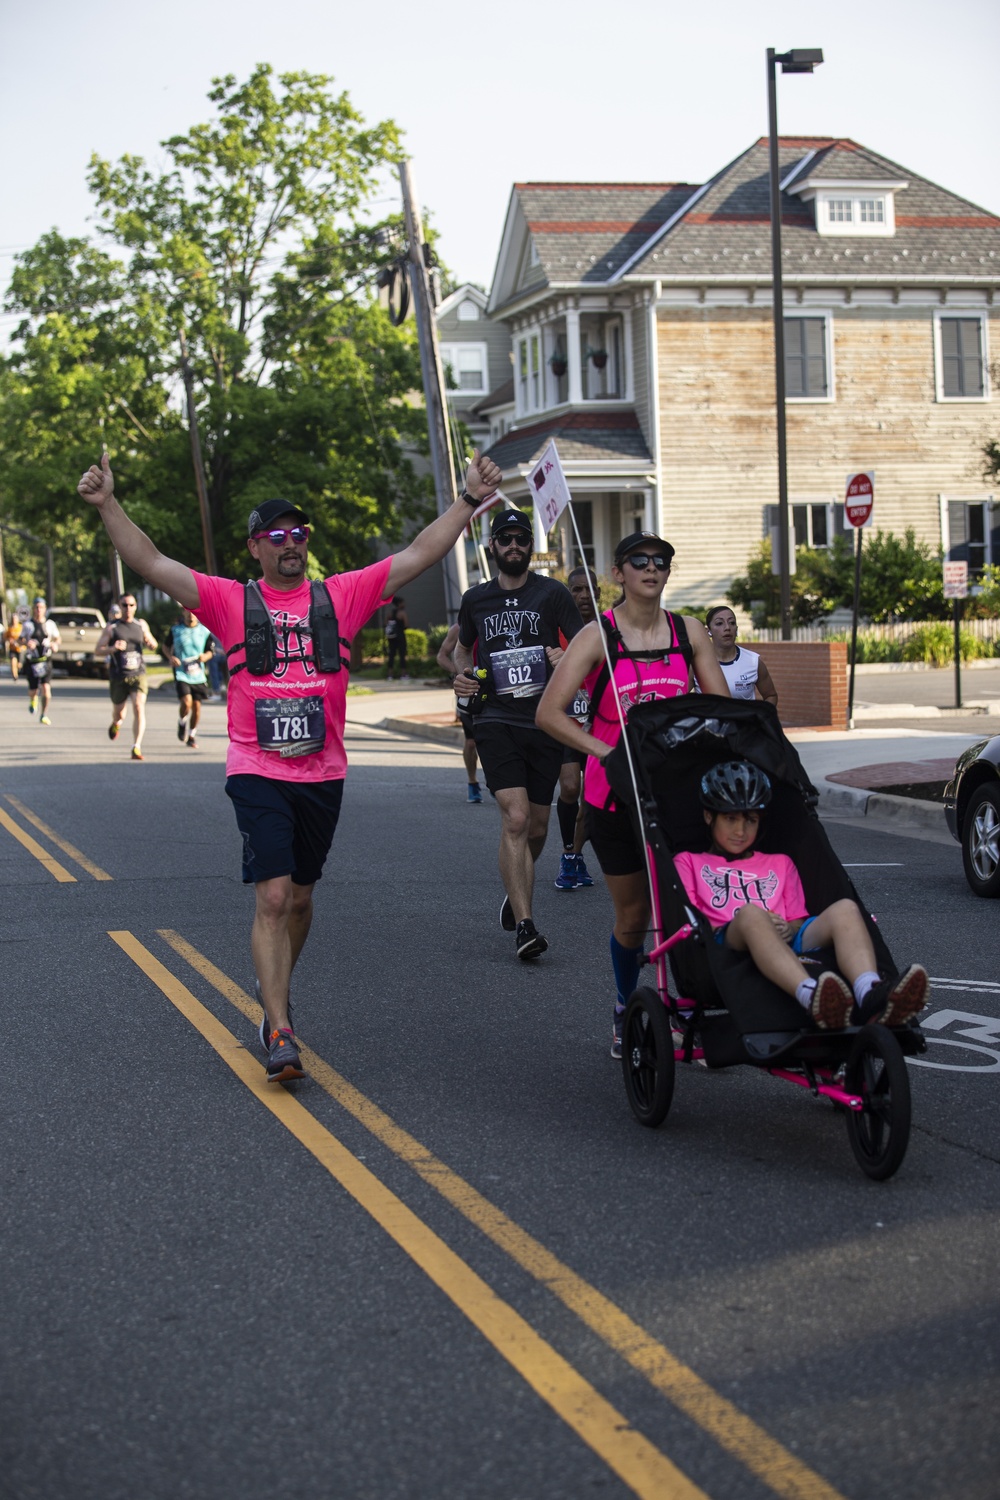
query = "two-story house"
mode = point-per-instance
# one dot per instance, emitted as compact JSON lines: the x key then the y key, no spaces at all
{"x":641,"y":322}
{"x":475,"y":353}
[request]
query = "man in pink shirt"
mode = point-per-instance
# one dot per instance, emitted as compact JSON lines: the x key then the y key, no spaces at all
{"x":287,"y":704}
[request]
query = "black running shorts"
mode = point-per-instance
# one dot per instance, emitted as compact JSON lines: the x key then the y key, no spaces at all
{"x":513,"y":755}
{"x":287,"y":826}
{"x":614,"y":840}
{"x":199,"y":690}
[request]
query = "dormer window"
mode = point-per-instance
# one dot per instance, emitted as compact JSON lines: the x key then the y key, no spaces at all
{"x":855,"y":208}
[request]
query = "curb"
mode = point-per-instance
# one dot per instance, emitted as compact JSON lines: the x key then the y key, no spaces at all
{"x":443,"y":734}
{"x":904,"y":812}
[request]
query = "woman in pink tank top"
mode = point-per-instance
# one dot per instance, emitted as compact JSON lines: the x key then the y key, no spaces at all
{"x":654,"y":654}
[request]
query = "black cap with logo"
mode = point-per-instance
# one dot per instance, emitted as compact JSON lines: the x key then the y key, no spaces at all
{"x":511,"y":518}
{"x":264,"y":515}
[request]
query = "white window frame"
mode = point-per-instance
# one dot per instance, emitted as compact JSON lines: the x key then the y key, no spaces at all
{"x":831,"y":382}
{"x":966,"y":314}
{"x":986,"y":501}
{"x":449,"y":356}
{"x":829,"y":503}
{"x":856,"y":226}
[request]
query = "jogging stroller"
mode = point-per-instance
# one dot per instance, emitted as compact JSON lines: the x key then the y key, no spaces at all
{"x":723,"y":1011}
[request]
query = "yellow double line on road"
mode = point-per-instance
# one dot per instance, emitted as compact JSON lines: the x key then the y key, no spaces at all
{"x":647,"y":1471}
{"x":45,"y":859}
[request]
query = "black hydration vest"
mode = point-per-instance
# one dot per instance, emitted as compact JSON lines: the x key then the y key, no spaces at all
{"x":259,"y":638}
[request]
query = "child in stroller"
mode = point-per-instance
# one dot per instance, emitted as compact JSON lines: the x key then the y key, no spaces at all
{"x":756,"y":905}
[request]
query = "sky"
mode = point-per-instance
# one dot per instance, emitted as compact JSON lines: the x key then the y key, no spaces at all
{"x":637,"y":91}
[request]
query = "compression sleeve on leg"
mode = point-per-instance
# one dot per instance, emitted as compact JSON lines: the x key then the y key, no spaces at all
{"x":625,"y":963}
{"x":566,"y":813}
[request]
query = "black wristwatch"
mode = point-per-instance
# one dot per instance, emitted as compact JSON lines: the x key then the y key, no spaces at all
{"x":469,"y":499}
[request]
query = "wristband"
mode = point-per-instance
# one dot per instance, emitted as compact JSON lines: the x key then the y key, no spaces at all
{"x":469,"y":499}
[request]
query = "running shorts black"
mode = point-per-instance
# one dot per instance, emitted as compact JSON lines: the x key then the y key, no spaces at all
{"x":515,"y":756}
{"x":614,"y":840}
{"x":466,"y":720}
{"x":199,"y":690}
{"x":571,"y":757}
{"x":287,"y":826}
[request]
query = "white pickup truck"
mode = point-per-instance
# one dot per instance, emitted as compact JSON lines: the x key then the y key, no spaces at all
{"x":79,"y":631}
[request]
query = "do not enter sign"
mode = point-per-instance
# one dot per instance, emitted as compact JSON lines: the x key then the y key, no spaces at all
{"x":859,"y":498}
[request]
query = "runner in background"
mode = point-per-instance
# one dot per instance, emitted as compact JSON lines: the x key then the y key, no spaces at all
{"x":189,"y":647}
{"x":39,"y":638}
{"x":127,"y":680}
{"x":743,"y":670}
{"x":13,"y":646}
{"x":446,"y":661}
{"x":573,"y":872}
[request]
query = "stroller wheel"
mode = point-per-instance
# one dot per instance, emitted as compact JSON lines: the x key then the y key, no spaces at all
{"x":880,"y":1133}
{"x":648,"y":1057}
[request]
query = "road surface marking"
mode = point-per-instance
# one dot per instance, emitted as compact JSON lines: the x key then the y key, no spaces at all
{"x":55,"y":869}
{"x":754,"y":1448}
{"x":978,"y":1029}
{"x":63,"y":844}
{"x":636,"y":1461}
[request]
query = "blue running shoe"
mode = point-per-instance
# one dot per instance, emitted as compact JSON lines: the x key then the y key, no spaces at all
{"x":583,"y":875}
{"x":567,"y":880}
{"x":475,"y":794}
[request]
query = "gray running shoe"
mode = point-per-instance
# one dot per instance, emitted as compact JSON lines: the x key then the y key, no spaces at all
{"x":616,"y":1031}
{"x":262,"y":1031}
{"x":283,"y":1061}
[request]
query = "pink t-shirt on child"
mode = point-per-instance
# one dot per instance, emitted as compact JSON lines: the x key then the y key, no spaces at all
{"x":718,"y":886}
{"x":295,"y":681}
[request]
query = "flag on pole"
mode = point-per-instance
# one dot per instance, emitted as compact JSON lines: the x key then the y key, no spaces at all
{"x":549,"y":488}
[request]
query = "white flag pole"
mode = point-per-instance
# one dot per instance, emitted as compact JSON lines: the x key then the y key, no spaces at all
{"x":657,"y":930}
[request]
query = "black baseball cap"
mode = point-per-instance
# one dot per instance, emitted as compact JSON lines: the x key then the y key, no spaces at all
{"x":645,"y":539}
{"x":508,"y":518}
{"x":269,"y":511}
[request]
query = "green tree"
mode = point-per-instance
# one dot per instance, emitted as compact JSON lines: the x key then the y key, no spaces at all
{"x":901,"y":579}
{"x":758,"y":591}
{"x":254,"y":245}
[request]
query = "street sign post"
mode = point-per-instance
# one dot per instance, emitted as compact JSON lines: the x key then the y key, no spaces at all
{"x":859,"y":505}
{"x":956,"y":588}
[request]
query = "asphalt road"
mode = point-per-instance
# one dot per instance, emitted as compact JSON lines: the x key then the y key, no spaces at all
{"x":450,"y":1263}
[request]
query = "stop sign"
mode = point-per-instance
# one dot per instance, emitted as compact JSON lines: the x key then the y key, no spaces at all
{"x":859,"y":498}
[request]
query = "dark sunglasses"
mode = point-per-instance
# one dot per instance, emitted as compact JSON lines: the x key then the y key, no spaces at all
{"x":508,"y":538}
{"x":277,"y":536}
{"x":640,"y":560}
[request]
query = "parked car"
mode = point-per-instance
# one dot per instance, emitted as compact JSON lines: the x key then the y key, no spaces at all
{"x":79,"y":629}
{"x":972,"y":811}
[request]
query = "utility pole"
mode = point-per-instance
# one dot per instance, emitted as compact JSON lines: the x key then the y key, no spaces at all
{"x":453,"y":564}
{"x":196,"y":460}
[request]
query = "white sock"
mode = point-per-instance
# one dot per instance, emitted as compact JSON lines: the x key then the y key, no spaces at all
{"x":863,"y":984}
{"x":804,"y":992}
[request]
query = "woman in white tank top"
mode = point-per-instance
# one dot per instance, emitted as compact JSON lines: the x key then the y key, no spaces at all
{"x":743,"y":670}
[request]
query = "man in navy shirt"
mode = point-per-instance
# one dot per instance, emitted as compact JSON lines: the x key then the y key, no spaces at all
{"x":514,"y":623}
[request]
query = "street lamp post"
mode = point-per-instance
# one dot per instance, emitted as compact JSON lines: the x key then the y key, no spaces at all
{"x":799,"y":60}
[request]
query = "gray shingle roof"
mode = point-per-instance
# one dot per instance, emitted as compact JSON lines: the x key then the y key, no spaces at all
{"x":728,"y":233}
{"x":583,"y":231}
{"x":589,"y":437}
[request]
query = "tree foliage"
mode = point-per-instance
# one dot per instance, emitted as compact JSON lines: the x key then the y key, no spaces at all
{"x":901,"y":579}
{"x":254,"y":244}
